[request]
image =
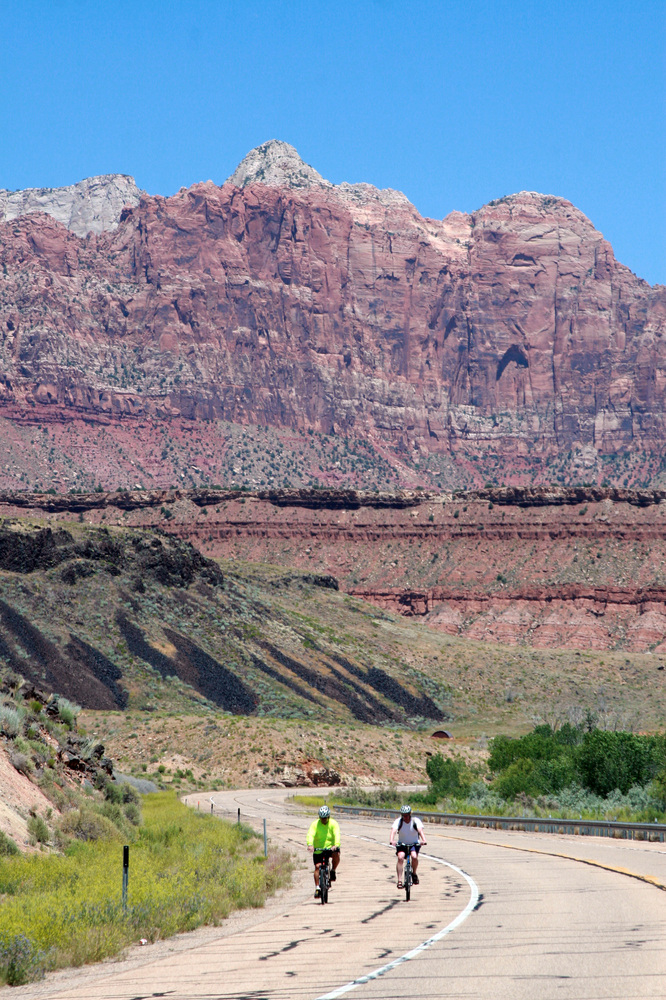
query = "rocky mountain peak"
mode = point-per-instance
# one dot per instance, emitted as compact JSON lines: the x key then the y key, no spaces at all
{"x":90,"y":206}
{"x":276,"y":164}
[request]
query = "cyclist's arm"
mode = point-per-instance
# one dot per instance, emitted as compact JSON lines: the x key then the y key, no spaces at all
{"x":394,"y":834}
{"x":336,"y":832}
{"x":422,"y":834}
{"x":311,"y":836}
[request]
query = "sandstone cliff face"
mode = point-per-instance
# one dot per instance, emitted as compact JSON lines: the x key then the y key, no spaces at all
{"x":505,"y":339}
{"x":91,"y":206}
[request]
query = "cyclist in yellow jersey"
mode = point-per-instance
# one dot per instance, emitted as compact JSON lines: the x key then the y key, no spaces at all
{"x":324,"y":835}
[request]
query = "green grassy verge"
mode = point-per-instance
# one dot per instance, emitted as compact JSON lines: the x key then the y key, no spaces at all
{"x":378,"y":798}
{"x":186,"y":870}
{"x":635,"y":807}
{"x":311,"y":800}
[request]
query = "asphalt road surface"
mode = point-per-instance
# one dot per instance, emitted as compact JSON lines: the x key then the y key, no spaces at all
{"x":497,"y":916}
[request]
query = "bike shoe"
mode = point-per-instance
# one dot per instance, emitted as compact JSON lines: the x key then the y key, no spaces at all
{"x":333,"y":876}
{"x":317,"y":894}
{"x":415,"y":878}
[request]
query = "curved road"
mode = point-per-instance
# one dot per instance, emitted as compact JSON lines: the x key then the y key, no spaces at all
{"x":543,"y":925}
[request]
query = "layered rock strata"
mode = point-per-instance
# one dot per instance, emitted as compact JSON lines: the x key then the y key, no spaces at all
{"x":506,"y":339}
{"x":558,"y":567}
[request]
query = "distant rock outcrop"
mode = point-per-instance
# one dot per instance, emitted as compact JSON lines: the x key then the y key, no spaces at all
{"x":277,"y":164}
{"x":91,"y":206}
{"x":551,"y":567}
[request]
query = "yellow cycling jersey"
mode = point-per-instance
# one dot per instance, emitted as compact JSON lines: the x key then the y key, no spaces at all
{"x":323,"y":835}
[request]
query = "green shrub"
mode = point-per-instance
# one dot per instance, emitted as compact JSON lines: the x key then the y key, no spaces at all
{"x":7,"y":845}
{"x":658,"y":788}
{"x":618,"y":760}
{"x":68,"y":711}
{"x":10,"y":720}
{"x":130,"y":793}
{"x":113,"y":791}
{"x":38,"y":829}
{"x":448,"y":777}
{"x":540,"y":744}
{"x":544,"y":761}
{"x":519,"y":777}
{"x":21,"y":762}
{"x":87,"y":823}
{"x":133,"y":813}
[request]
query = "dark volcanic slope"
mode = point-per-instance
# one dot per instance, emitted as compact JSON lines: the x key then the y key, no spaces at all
{"x":111,"y":618}
{"x":507,"y":339}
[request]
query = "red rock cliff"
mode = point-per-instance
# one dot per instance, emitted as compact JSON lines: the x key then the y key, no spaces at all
{"x":506,"y":337}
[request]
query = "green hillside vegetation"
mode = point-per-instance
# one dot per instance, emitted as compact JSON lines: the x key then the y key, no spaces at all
{"x":40,"y":736}
{"x":61,"y":904}
{"x":186,"y":869}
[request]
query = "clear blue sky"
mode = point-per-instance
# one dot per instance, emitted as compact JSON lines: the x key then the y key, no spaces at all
{"x":454,"y":103}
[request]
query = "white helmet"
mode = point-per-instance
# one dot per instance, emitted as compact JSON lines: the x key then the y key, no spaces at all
{"x":324,"y":812}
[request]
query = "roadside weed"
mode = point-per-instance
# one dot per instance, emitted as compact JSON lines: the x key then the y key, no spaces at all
{"x":186,"y":869}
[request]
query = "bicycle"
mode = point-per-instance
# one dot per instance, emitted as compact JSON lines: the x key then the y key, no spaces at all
{"x":407,"y":874}
{"x":325,"y":876}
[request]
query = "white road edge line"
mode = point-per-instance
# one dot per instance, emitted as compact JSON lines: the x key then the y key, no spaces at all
{"x":462,"y":916}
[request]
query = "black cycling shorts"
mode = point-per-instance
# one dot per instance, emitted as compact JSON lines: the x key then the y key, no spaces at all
{"x":412,"y":847}
{"x":319,"y":856}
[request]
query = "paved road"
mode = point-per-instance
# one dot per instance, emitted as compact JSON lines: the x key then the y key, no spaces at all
{"x":544,"y":926}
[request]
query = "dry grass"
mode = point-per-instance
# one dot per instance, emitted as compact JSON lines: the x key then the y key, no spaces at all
{"x":232,"y":751}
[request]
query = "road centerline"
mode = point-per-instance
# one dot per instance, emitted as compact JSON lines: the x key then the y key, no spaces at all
{"x":420,"y":948}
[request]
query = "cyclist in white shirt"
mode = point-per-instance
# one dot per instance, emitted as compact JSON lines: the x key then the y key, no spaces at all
{"x":407,"y":830}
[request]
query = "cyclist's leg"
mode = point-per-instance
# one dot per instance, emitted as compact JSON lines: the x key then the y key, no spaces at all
{"x":400,"y":864}
{"x":317,"y":857}
{"x":335,"y":859}
{"x":415,"y":862}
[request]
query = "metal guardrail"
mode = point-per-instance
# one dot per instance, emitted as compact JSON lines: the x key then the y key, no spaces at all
{"x":531,"y":824}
